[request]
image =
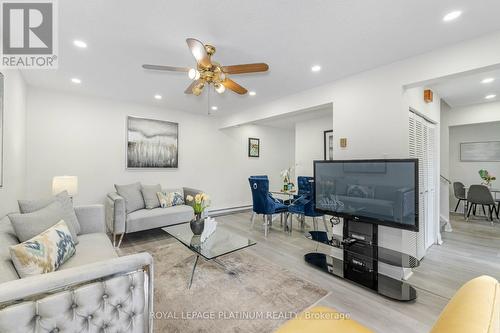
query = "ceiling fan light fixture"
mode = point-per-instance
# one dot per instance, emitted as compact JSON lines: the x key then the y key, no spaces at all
{"x":193,"y":74}
{"x":219,"y":88}
{"x":198,"y":88}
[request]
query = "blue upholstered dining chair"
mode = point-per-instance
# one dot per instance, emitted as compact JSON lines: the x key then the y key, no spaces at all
{"x":304,"y":205}
{"x":263,"y":202}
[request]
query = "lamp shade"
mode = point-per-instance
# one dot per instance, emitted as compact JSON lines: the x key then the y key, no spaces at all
{"x":65,"y":183}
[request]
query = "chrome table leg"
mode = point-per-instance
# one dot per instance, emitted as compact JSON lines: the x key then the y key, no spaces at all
{"x":192,"y":272}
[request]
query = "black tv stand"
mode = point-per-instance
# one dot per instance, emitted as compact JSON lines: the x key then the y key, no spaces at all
{"x":361,"y":258}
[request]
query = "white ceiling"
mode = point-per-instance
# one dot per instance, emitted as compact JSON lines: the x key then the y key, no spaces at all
{"x":343,"y":36}
{"x":288,"y":121}
{"x":467,"y":89}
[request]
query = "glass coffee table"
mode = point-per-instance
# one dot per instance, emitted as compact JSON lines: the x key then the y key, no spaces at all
{"x":221,"y":242}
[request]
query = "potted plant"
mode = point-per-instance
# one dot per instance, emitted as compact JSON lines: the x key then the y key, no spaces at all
{"x":486,"y":177}
{"x":199,"y":203}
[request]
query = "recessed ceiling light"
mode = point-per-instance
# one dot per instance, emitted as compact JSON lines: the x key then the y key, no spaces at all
{"x":214,"y":108}
{"x":158,"y":96}
{"x":488,"y":80}
{"x":76,"y":80}
{"x":316,"y":68}
{"x":490,"y":96}
{"x":252,"y":93}
{"x":80,"y":43}
{"x":452,"y":15}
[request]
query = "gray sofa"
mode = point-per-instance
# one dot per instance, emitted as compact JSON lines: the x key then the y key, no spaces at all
{"x":120,"y":223}
{"x":94,"y":291}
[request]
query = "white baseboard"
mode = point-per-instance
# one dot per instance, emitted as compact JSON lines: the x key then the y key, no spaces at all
{"x":230,"y":210}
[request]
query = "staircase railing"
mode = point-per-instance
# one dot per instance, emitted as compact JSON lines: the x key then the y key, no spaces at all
{"x":445,"y":179}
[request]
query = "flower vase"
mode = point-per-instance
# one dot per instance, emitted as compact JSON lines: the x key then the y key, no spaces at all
{"x":197,"y":224}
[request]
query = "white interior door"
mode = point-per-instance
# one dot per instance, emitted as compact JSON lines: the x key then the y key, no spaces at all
{"x":422,"y":146}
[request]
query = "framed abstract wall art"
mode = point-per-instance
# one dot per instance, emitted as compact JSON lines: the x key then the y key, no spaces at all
{"x":152,"y":143}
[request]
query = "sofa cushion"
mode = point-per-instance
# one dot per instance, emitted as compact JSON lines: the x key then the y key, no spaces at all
{"x":171,"y":198}
{"x":132,"y":195}
{"x":30,"y":206}
{"x":149,"y":194}
{"x":474,"y":308}
{"x":7,"y":238}
{"x":158,"y":217}
{"x":45,"y":252}
{"x":92,"y":248}
{"x":29,"y":225}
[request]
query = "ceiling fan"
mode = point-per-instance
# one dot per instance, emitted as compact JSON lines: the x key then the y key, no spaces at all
{"x":208,"y":72}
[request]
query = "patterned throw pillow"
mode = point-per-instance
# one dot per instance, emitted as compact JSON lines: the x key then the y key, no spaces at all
{"x":169,"y":199}
{"x":43,"y":253}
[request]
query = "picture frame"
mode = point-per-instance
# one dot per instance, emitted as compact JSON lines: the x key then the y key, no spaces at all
{"x":151,"y":144}
{"x":485,"y":151}
{"x":253,"y":147}
{"x":328,"y":145}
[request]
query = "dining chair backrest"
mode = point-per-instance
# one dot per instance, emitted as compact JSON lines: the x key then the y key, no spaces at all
{"x":459,"y":190}
{"x":480,"y":194}
{"x":260,"y":195}
{"x":260,"y":176}
{"x":304,"y":184}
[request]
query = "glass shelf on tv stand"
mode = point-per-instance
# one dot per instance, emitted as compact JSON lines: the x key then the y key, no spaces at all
{"x":382,"y":284}
{"x":381,"y":254}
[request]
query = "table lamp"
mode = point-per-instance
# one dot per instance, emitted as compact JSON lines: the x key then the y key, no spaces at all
{"x":65,"y":183}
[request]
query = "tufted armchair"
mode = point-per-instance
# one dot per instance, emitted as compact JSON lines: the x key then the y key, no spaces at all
{"x":96,"y":291}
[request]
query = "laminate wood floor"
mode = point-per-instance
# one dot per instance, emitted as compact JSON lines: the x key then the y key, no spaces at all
{"x":473,"y":249}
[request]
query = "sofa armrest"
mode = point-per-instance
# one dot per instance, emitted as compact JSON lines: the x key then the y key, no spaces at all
{"x":91,"y":218}
{"x":190,"y":191}
{"x":116,"y":214}
{"x":71,"y":296}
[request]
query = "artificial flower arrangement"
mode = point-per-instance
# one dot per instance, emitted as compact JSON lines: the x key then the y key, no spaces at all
{"x":199,"y":203}
{"x":486,"y":177}
{"x":286,"y":176}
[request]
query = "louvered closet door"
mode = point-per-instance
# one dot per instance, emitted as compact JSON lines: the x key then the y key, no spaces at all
{"x":421,"y":146}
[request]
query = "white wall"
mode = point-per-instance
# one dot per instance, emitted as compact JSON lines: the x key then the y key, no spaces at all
{"x":14,"y":141}
{"x":467,"y":172}
{"x":474,"y":114}
{"x":444,"y":157}
{"x":369,"y":108}
{"x":82,"y":136}
{"x":309,"y":142}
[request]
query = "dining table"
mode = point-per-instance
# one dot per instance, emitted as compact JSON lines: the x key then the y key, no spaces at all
{"x":494,"y":192}
{"x":288,"y":193}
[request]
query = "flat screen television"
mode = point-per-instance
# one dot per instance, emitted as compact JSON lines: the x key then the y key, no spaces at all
{"x":382,"y":192}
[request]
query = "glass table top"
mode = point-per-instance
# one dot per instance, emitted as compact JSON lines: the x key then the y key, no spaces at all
{"x":221,"y":242}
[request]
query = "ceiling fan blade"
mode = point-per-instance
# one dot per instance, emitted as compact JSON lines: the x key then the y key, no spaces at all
{"x":246,"y":68}
{"x":166,"y":68}
{"x":230,"y":84}
{"x":195,"y":88}
{"x":199,"y":53}
{"x":189,"y":89}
